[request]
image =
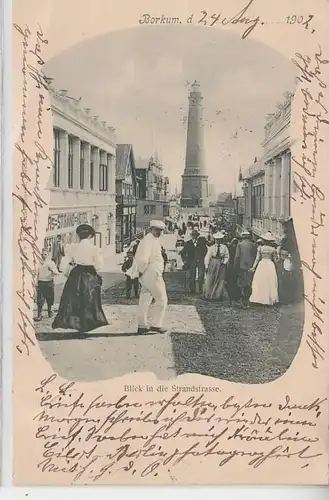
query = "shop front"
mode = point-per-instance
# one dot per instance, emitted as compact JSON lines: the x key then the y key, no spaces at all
{"x":125,"y":222}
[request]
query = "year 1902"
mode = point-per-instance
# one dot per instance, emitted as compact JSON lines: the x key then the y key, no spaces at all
{"x":299,"y":20}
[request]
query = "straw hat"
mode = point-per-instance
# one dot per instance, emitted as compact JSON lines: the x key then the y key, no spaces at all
{"x":219,"y":235}
{"x":268,"y":236}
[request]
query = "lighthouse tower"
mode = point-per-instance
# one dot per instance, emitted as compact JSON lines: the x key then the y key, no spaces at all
{"x":194,"y":179}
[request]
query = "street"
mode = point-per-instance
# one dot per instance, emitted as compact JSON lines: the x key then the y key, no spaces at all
{"x":256,"y":345}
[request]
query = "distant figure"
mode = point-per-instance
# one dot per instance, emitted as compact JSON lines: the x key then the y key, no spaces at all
{"x":165,"y":258}
{"x":58,"y":251}
{"x":245,"y":256}
{"x":193,"y":255}
{"x":179,"y":249}
{"x":46,"y":285}
{"x":130,"y":282}
{"x":265,"y":281}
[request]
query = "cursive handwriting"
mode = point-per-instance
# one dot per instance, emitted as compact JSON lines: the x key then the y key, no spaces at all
{"x":32,"y":160}
{"x":96,"y":438}
{"x":242,"y":18}
{"x":314,"y":118}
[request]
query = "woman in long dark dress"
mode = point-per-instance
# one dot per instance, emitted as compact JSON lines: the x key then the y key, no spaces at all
{"x":291,"y":286}
{"x":80,"y":305}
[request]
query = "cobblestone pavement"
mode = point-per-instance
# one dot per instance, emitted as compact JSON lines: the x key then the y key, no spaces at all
{"x":256,"y":345}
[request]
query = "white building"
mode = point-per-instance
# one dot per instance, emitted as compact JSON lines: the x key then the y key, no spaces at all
{"x":82,"y":188}
{"x":267,"y":183}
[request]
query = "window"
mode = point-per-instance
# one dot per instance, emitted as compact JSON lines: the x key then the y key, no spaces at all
{"x":91,"y":175}
{"x":152,"y":209}
{"x":82,"y":166}
{"x":103,"y":177}
{"x":146,"y":209}
{"x":257,"y":201}
{"x":56,"y":153}
{"x":70,"y":164}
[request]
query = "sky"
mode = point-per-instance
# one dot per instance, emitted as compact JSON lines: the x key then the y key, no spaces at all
{"x":138,"y":81}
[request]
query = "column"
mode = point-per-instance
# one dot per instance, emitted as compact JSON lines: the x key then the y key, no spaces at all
{"x":284,"y":198}
{"x":87,"y":147}
{"x":270,"y":194}
{"x":103,"y":161}
{"x":111,"y":170}
{"x":76,"y":162}
{"x":95,"y":159}
{"x":63,"y":159}
{"x":266,"y":191}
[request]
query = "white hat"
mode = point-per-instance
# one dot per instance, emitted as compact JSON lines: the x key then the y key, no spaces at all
{"x":218,"y":236}
{"x":159,"y":224}
{"x":268,"y":236}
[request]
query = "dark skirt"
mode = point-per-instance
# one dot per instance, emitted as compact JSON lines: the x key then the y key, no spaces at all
{"x":80,"y":306}
{"x":290,"y":284}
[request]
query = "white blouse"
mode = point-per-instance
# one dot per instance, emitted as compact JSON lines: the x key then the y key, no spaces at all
{"x":212,"y":252}
{"x":85,"y":253}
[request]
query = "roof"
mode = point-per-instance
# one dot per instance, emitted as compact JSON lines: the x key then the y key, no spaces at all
{"x":122,"y":157}
{"x":254,"y":169}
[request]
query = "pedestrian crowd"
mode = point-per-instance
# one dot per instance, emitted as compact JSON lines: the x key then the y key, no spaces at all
{"x":248,"y":272}
{"x":217,"y":263}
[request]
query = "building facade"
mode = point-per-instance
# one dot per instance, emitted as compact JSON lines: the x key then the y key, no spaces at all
{"x":223,"y":205}
{"x":82,"y":187}
{"x":194,"y":180}
{"x":153,"y":191}
{"x":126,"y":188}
{"x":267,"y":183}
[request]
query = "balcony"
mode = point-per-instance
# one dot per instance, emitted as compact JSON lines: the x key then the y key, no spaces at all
{"x":126,"y":200}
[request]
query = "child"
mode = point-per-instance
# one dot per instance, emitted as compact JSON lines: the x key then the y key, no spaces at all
{"x":130,"y":282}
{"x":46,"y":285}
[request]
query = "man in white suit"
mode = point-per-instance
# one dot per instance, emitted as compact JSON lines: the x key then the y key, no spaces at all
{"x":148,"y":267}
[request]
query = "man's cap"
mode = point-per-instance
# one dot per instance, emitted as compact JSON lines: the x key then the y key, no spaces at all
{"x":159,"y":224}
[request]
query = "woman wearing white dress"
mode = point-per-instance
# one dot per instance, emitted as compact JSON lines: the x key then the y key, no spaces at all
{"x":80,"y":305}
{"x":265,"y":280}
{"x":179,"y":248}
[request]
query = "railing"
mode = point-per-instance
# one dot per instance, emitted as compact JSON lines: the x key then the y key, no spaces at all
{"x":126,"y":200}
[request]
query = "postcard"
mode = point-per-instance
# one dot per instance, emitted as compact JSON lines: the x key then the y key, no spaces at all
{"x":170,"y":192}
